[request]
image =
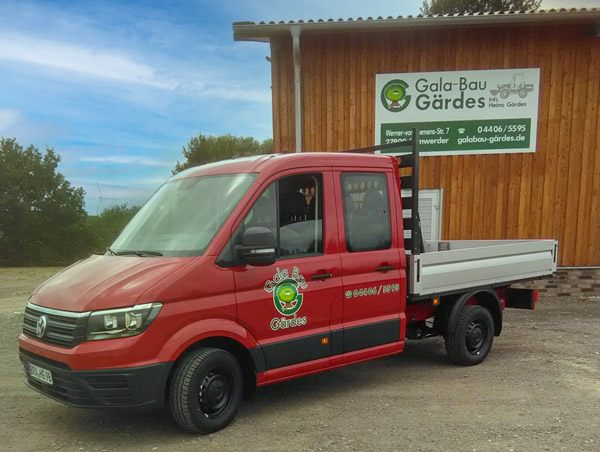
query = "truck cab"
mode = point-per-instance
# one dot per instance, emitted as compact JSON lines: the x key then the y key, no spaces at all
{"x":249,"y":272}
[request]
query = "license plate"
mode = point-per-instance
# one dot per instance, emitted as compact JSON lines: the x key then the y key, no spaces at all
{"x":43,"y":375}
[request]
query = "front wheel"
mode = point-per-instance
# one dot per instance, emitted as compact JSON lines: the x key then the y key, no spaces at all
{"x":206,"y":390}
{"x":472,"y":338}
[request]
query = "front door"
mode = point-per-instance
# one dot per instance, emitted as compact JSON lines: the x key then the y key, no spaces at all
{"x":373,"y":277}
{"x":287,"y":305}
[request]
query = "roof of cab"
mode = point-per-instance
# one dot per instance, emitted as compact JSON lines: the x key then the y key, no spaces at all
{"x":273,"y":163}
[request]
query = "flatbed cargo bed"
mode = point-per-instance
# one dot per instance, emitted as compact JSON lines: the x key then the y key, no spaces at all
{"x":454,"y":265}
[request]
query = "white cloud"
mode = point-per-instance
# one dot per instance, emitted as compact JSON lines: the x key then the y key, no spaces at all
{"x":8,"y":118}
{"x":13,"y":124}
{"x":231,"y":91}
{"x":126,"y":160}
{"x":107,"y":64}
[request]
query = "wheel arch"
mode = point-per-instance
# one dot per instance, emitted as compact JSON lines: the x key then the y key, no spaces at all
{"x":488,"y":298}
{"x":247,"y":359}
{"x":223,"y":334}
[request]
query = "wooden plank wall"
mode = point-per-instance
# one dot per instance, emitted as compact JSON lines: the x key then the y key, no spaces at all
{"x":552,"y":193}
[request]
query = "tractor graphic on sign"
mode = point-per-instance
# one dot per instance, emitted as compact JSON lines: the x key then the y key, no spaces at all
{"x":517,"y":86}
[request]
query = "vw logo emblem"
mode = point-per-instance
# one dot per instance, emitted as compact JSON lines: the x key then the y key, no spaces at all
{"x":41,"y":326}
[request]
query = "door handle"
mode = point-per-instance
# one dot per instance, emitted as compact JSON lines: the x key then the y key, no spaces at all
{"x":384,"y":268}
{"x":321,"y":276}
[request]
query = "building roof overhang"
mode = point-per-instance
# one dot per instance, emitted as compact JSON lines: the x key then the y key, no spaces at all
{"x":264,"y":31}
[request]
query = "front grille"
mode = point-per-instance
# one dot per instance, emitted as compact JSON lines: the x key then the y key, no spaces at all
{"x":63,"y":328}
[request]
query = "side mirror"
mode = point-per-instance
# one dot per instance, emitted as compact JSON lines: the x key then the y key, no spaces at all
{"x":258,"y":247}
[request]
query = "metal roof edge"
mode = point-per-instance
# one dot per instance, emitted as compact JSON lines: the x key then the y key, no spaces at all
{"x":262,"y":32}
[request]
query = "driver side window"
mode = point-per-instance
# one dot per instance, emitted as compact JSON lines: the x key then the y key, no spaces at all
{"x":292,"y":209}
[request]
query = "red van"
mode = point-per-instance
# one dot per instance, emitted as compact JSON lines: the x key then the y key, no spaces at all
{"x":256,"y":270}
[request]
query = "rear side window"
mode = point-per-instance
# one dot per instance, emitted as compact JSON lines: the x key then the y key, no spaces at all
{"x":366,"y":211}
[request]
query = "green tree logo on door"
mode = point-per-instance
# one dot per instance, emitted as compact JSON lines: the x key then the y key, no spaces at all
{"x":393,"y":95}
{"x":287,"y":297}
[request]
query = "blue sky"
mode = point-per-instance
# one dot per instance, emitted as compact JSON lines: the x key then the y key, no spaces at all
{"x":117,"y":88}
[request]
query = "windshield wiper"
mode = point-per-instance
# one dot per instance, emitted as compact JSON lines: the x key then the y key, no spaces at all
{"x":108,"y":250}
{"x":140,"y":253}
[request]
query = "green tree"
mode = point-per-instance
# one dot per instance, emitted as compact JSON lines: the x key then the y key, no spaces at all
{"x":42,"y":218}
{"x":105,"y":227}
{"x":210,"y":148}
{"x":477,"y":6}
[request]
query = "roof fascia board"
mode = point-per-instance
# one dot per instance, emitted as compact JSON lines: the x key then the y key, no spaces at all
{"x":245,"y":31}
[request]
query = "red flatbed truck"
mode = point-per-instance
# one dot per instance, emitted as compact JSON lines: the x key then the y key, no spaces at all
{"x":257,"y":270}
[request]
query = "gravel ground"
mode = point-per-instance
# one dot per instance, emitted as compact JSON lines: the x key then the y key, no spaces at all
{"x":539,"y":390}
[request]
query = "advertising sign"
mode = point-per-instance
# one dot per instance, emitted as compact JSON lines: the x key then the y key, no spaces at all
{"x":459,"y":112}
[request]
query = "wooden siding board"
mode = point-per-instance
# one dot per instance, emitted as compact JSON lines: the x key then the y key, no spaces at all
{"x":553,"y":126}
{"x":486,"y":181}
{"x":539,"y":164}
{"x":584,"y":252}
{"x":512,"y":206}
{"x":329,"y":76}
{"x":362,"y":138}
{"x":564,"y":148}
{"x":472,"y":173}
{"x":529,"y":60}
{"x":371,"y":55}
{"x":307,"y":95}
{"x":351,"y":92}
{"x":339,"y":94}
{"x":594,"y":243}
{"x":576,"y":191}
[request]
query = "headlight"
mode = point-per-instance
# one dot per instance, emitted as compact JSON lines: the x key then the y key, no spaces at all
{"x":123,"y":322}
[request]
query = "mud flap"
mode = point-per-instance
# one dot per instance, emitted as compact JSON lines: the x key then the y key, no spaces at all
{"x":521,"y":298}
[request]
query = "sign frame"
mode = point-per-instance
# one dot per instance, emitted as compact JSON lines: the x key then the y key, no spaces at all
{"x":488,"y":111}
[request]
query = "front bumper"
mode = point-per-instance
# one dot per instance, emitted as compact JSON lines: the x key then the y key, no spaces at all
{"x":134,"y":387}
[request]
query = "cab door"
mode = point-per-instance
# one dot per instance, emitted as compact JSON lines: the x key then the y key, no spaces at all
{"x":287,"y":305}
{"x":373,"y":274}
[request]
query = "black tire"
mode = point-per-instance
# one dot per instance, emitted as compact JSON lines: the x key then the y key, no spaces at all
{"x":472,"y":338}
{"x":205,"y":390}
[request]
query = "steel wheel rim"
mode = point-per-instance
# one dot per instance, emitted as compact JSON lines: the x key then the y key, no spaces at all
{"x":215,"y":392}
{"x":476,"y":337}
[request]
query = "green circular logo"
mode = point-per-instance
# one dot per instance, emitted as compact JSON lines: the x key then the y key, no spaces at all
{"x":393,"y":95}
{"x":286,"y":297}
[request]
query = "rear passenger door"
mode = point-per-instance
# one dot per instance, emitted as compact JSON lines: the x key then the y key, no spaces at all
{"x":372,"y":277}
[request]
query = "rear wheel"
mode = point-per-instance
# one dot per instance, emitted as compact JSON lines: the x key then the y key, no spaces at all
{"x":205,"y":390}
{"x":472,"y":338}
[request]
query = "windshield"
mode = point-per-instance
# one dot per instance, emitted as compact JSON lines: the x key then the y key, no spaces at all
{"x":183,"y":216}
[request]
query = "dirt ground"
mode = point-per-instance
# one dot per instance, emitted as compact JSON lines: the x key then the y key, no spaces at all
{"x":539,"y":390}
